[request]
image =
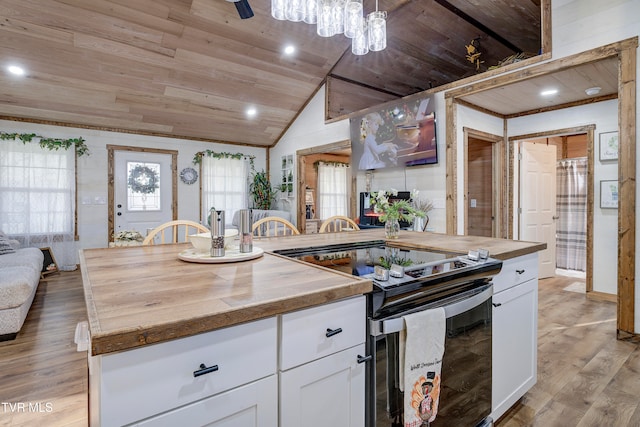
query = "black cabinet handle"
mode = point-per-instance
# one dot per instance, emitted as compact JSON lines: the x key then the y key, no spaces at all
{"x":496,"y":304}
{"x":362,"y":359}
{"x":519,"y":271}
{"x":332,"y":332}
{"x":204,"y":370}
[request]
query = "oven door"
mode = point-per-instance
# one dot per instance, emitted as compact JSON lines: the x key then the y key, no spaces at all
{"x":465,"y":394}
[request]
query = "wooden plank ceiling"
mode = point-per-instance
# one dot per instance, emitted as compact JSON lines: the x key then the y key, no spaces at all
{"x":190,"y":68}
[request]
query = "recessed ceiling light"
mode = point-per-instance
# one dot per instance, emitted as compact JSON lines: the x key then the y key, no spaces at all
{"x":593,"y":90}
{"x":289,"y":49}
{"x":251,"y":112}
{"x":14,"y":69}
{"x":549,"y":92}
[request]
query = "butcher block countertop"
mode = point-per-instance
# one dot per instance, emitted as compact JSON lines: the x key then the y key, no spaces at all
{"x":143,"y":295}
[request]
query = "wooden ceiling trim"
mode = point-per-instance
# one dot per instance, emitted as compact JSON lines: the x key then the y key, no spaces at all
{"x":562,"y":106}
{"x":478,"y":108}
{"x":344,"y":96}
{"x":571,"y":61}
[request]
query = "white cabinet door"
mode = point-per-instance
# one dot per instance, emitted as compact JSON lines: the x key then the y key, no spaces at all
{"x":515,"y":345}
{"x":326,"y":392}
{"x":252,"y":405}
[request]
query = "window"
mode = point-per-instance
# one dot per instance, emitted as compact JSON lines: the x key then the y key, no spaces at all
{"x":224,"y":185}
{"x":333,"y":189}
{"x":37,"y":198}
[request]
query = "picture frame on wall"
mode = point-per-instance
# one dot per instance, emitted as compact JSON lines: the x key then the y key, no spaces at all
{"x":609,"y":146}
{"x":609,"y":194}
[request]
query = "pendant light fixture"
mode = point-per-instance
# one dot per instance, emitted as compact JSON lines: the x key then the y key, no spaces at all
{"x":352,"y":17}
{"x":360,"y":40}
{"x":377,"y":26}
{"x":325,"y":18}
{"x":335,"y":17}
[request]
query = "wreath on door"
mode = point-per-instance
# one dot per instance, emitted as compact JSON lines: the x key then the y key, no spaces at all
{"x":143,"y":179}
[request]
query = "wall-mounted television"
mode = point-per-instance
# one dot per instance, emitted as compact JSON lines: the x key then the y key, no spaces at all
{"x":395,"y":136}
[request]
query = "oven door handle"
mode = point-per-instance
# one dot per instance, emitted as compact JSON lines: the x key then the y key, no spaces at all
{"x":396,"y":324}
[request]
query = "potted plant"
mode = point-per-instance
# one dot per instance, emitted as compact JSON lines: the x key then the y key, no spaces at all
{"x":393,"y":212}
{"x":262,"y":193}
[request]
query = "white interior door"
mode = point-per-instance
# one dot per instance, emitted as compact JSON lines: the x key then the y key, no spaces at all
{"x":142,"y":190}
{"x":538,"y":201}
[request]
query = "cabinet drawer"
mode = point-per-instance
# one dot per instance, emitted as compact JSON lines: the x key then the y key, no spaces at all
{"x":139,"y":383}
{"x":304,"y":332}
{"x":515,"y":271}
{"x":252,"y":405}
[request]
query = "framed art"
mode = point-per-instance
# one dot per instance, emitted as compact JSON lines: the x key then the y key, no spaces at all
{"x":609,"y":194}
{"x":609,"y":146}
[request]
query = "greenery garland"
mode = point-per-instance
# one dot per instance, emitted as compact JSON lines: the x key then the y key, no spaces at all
{"x":197,"y":158}
{"x":328,"y":163}
{"x":49,"y":143}
{"x":143,"y":179}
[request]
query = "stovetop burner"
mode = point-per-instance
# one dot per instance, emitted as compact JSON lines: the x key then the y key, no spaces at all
{"x":404,"y":265}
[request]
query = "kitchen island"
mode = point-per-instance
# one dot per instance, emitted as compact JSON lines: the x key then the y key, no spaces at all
{"x":145,"y":305}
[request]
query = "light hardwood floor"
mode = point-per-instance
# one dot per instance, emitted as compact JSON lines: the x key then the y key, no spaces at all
{"x":585,"y":376}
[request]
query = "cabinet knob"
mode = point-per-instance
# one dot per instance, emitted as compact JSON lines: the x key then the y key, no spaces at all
{"x":496,"y":304}
{"x":332,"y":332}
{"x":204,"y":370}
{"x":362,"y":359}
{"x":519,"y":271}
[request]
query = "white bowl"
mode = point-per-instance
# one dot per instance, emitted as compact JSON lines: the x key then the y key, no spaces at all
{"x":202,"y":241}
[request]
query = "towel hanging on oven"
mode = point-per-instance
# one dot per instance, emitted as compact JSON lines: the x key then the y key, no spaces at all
{"x":423,"y":351}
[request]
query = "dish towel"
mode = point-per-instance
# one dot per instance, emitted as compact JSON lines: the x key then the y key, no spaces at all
{"x":423,"y":352}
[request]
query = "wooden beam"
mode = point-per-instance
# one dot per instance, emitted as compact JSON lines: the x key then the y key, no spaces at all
{"x":451,"y":156}
{"x":627,"y":191}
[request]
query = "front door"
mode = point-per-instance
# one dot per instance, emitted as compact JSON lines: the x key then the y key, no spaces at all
{"x":143,"y":184}
{"x":538,"y":201}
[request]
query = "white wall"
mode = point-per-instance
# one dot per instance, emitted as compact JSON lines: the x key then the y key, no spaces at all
{"x":605,"y":223}
{"x":309,"y":130}
{"x":92,"y":172}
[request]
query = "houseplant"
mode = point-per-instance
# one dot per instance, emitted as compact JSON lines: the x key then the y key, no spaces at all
{"x":262,"y":193}
{"x":391,"y":212}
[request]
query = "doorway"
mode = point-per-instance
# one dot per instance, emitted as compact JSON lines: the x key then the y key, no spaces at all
{"x":307,"y":180}
{"x":482,"y":183}
{"x":142,"y":189}
{"x":566,"y":144}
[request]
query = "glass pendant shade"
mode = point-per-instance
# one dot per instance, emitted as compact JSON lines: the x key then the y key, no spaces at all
{"x":359,"y":41}
{"x":338,"y":16}
{"x":377,"y":25}
{"x":325,"y":24}
{"x":277,"y":9}
{"x":311,"y":11}
{"x":295,"y":10}
{"x":352,"y":17}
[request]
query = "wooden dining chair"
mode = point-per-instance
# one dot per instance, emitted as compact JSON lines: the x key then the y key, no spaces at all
{"x":272,"y":226}
{"x":337,"y":224}
{"x":175,"y":231}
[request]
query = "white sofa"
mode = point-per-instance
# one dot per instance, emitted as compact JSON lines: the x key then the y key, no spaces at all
{"x":19,"y":278}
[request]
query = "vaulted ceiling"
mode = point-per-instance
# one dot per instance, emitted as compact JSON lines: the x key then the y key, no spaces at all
{"x":190,"y":68}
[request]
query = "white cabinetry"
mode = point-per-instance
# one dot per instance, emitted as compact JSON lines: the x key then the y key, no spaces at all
{"x":134,"y":385}
{"x":322,"y":378}
{"x":232,"y":377}
{"x":515,"y":332}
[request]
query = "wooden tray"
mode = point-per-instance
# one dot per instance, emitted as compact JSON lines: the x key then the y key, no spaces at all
{"x":230,"y":255}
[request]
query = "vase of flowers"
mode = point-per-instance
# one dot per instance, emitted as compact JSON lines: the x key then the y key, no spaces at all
{"x":420,"y":222}
{"x":392,"y":212}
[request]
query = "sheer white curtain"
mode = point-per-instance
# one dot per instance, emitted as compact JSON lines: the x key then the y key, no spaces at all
{"x":333,"y":189}
{"x":224,"y":185}
{"x":571,"y":201}
{"x":37,"y":199}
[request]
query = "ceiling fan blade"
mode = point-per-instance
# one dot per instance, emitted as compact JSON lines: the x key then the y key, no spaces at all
{"x":244,"y":9}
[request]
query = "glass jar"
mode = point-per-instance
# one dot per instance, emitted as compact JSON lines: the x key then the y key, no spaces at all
{"x":392,"y":228}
